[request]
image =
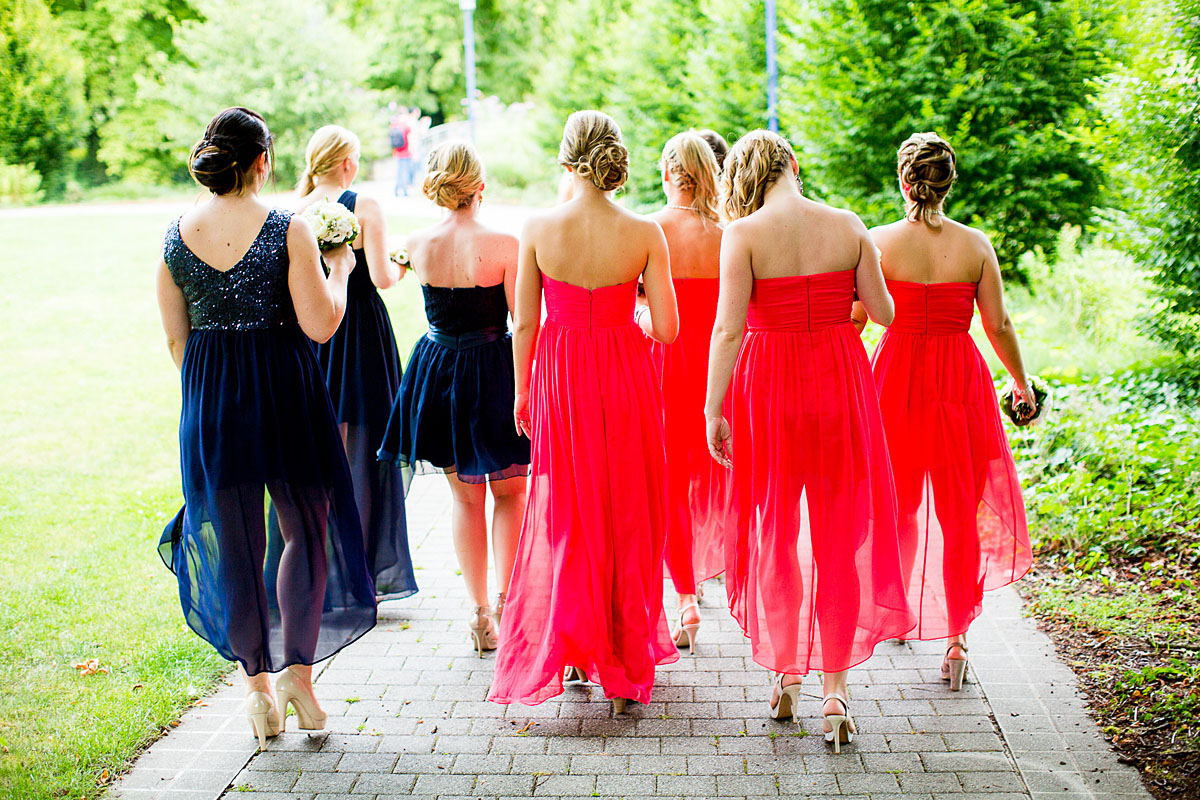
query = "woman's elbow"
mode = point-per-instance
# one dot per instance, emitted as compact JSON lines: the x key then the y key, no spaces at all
{"x":886,"y":315}
{"x":667,"y":333}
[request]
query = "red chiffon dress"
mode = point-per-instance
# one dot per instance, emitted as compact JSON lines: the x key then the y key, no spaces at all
{"x":812,"y":568}
{"x":587,"y":587}
{"x":962,"y":519}
{"x":697,"y":487}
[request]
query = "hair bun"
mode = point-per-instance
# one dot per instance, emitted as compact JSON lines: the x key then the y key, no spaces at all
{"x":222,"y":160}
{"x":455,"y":174}
{"x":606,"y":165}
{"x":591,"y":145}
{"x":927,"y":166}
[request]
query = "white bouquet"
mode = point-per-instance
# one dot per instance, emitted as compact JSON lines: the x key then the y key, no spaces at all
{"x":399,"y":257}
{"x":333,"y":223}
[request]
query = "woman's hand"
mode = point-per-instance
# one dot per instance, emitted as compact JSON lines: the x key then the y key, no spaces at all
{"x":521,"y":416}
{"x":1023,"y":391}
{"x":339,"y":259}
{"x":717,"y":429}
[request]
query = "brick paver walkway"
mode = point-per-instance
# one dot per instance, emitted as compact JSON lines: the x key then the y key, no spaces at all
{"x":407,"y":719}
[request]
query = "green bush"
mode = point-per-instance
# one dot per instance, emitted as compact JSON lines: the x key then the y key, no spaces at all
{"x":19,"y":184}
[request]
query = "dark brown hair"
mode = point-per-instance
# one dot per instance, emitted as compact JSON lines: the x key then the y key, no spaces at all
{"x":927,"y":167}
{"x":717,"y":142}
{"x":221,"y":162}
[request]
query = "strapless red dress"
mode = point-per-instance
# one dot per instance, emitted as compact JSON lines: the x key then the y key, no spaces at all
{"x":962,"y":518}
{"x":697,"y":487}
{"x":587,"y":587}
{"x":813,"y":566}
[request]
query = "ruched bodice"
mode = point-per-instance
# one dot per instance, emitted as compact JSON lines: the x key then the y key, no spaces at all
{"x":801,"y":302}
{"x":461,"y":310}
{"x":932,"y":308}
{"x":576,"y":307}
{"x":251,"y":295}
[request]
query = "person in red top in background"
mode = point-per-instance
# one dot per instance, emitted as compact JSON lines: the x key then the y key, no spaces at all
{"x":402,"y":134}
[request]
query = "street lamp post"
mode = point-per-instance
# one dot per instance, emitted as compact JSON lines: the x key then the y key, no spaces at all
{"x":772,"y":71}
{"x":468,"y":9}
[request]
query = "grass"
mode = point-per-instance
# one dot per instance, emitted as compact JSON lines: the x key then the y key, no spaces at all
{"x":88,"y":478}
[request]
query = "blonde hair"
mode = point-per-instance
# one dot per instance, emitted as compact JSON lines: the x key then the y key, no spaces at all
{"x":926,"y":164}
{"x":693,"y":167}
{"x":328,"y":147}
{"x":454,"y":173}
{"x":591,"y":145}
{"x":756,"y":161}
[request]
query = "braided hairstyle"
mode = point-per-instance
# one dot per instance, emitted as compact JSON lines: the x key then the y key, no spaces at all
{"x":592,"y":146}
{"x":223,"y":160}
{"x":454,"y":174}
{"x":926,"y":164}
{"x":757,"y":160}
{"x":693,"y":167}
{"x":327,"y":149}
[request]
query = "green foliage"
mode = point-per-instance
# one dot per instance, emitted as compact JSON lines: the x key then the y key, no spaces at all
{"x":19,"y":184}
{"x":42,"y":114}
{"x":1010,"y":85}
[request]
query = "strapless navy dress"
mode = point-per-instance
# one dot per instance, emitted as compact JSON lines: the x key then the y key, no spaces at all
{"x":455,"y":409}
{"x":362,"y":370}
{"x":257,"y":420}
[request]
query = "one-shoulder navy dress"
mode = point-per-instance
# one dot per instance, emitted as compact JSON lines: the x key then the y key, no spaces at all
{"x":362,"y":370}
{"x":454,"y":412}
{"x":257,"y":419}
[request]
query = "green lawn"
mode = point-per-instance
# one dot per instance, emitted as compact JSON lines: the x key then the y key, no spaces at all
{"x":88,"y":478}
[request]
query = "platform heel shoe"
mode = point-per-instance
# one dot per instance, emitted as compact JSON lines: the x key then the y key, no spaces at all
{"x":309,"y":716}
{"x":264,"y":717}
{"x":955,"y":669}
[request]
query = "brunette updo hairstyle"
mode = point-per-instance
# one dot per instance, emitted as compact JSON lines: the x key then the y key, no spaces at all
{"x":926,"y":164}
{"x":591,"y":145}
{"x":717,"y":142}
{"x":327,"y":149}
{"x":453,"y":175}
{"x":693,"y":167}
{"x":222,"y":161}
{"x":757,"y":160}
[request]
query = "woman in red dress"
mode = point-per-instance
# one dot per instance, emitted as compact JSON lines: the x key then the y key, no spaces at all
{"x":586,"y":593}
{"x":697,"y":487}
{"x":962,"y":519}
{"x":812,"y":566}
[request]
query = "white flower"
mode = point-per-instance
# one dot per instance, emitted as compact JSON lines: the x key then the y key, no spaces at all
{"x":333,"y":223}
{"x":399,"y":257}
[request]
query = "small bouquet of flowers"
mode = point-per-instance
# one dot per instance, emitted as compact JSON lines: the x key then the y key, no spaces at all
{"x":1019,"y":411}
{"x":333,"y":223}
{"x":399,"y":257}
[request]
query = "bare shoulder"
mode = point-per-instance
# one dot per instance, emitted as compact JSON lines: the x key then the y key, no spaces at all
{"x":502,"y":241}
{"x":298,"y":229}
{"x":975,"y":237}
{"x":368,"y":207}
{"x":887,"y":231}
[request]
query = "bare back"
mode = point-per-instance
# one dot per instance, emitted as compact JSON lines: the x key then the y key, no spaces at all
{"x":694,"y":243}
{"x":220,"y":235}
{"x":462,"y":254}
{"x":914,"y":252}
{"x":796,"y":236}
{"x":592,"y":242}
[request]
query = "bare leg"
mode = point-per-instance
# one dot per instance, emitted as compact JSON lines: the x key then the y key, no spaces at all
{"x":468,"y":521}
{"x":256,"y":683}
{"x":507,"y":517}
{"x":834,"y":683}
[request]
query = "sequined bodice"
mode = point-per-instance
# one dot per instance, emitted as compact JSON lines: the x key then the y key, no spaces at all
{"x":576,"y":307}
{"x":932,"y":308}
{"x":801,"y":302}
{"x":251,"y":295}
{"x":460,"y":310}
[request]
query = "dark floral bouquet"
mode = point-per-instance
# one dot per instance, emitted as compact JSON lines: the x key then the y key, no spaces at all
{"x":1018,"y":410}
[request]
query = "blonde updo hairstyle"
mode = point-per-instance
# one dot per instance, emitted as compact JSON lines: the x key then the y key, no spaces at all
{"x":454,"y":173}
{"x":757,"y":160}
{"x":926,"y":164}
{"x":327,"y":149}
{"x":591,"y":145}
{"x":693,"y":168}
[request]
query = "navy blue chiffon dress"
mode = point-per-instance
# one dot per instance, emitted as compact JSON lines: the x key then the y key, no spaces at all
{"x":362,"y":371}
{"x":257,"y":420}
{"x":455,"y":409}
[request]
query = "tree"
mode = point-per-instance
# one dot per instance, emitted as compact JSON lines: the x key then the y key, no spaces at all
{"x":41,"y":100}
{"x":1010,"y":85}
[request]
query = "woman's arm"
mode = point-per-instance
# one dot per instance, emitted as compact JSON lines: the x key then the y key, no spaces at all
{"x":997,"y":324}
{"x":662,"y":322}
{"x":868,"y":279}
{"x":319,"y":301}
{"x":737,"y":283}
{"x":173,"y":308}
{"x":385,"y":273}
{"x":509,"y":253}
{"x":527,"y":321}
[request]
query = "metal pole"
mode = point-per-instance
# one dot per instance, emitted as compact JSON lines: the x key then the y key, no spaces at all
{"x":772,"y":71}
{"x":468,"y":9}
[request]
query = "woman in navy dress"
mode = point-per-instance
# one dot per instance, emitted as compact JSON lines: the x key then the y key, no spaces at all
{"x":241,"y":291}
{"x":361,"y":362}
{"x":454,"y":412}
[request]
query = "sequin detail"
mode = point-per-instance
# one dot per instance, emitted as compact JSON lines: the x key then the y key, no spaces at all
{"x":251,"y":295}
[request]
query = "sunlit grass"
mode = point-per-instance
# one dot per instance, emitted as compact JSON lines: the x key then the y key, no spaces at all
{"x":88,"y":478}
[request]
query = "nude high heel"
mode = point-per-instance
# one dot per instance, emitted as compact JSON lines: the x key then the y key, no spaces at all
{"x":289,"y":690}
{"x":483,"y":629}
{"x":619,"y":705}
{"x":786,"y":699}
{"x":842,"y":728}
{"x":685,"y":635}
{"x":955,"y":669}
{"x":574,"y":675}
{"x":264,"y":717}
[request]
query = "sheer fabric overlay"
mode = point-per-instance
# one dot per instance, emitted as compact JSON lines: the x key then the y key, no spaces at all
{"x":962,"y":517}
{"x":587,"y":588}
{"x":812,"y":567}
